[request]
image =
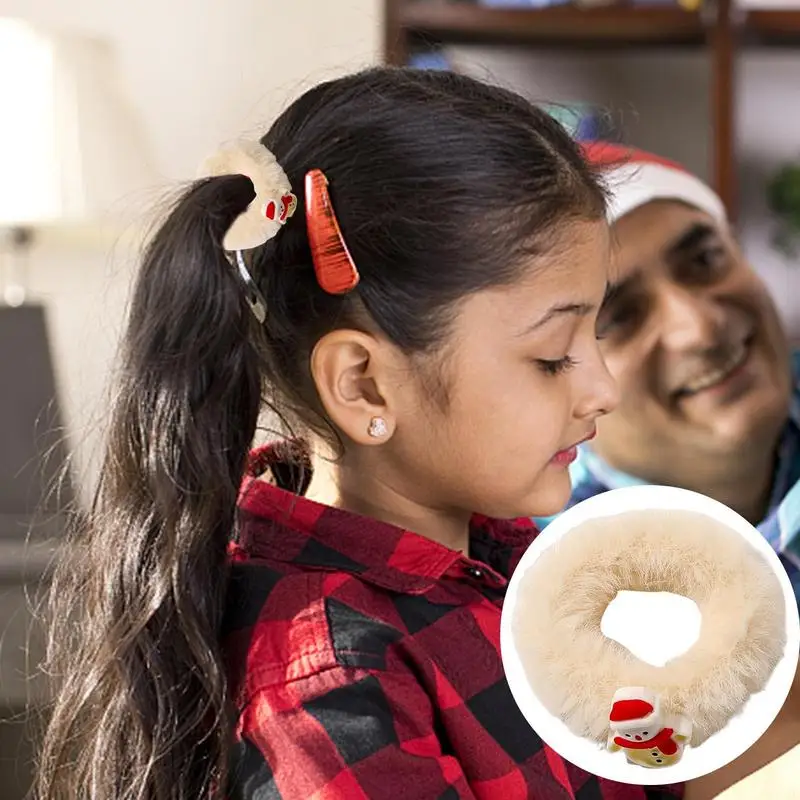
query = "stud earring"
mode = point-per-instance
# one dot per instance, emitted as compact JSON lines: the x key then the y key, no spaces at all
{"x":378,"y":427}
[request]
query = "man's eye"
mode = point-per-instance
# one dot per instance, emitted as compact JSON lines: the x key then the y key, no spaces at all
{"x":704,"y":266}
{"x":618,"y":318}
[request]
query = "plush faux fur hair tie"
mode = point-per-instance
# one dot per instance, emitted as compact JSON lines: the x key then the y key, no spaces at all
{"x":575,"y":670}
{"x":274,"y":202}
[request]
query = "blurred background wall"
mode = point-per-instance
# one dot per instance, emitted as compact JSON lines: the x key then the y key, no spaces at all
{"x":194,"y":75}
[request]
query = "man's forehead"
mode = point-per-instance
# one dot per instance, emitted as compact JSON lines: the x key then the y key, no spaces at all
{"x":660,"y":220}
{"x":657,"y":232}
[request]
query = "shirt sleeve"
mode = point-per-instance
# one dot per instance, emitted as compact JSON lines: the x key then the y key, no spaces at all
{"x":345,"y":733}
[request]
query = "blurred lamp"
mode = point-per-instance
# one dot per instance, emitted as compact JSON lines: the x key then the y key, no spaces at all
{"x":71,"y":154}
{"x":71,"y":150}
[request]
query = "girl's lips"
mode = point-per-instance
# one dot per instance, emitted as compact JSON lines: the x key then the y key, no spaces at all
{"x":563,"y":458}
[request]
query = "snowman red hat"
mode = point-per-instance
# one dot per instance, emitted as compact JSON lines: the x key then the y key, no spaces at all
{"x":635,"y":709}
{"x":635,"y":178}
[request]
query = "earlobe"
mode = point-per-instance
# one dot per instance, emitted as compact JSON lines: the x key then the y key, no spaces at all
{"x":347,"y":367}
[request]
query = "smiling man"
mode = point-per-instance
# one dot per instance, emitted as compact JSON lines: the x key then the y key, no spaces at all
{"x":710,"y":392}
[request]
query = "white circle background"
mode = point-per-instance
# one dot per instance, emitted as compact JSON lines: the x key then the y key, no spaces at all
{"x":718,"y":750}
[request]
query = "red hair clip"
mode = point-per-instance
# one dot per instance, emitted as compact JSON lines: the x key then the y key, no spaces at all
{"x":334,"y":266}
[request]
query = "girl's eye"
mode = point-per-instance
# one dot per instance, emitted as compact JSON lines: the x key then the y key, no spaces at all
{"x":556,"y":367}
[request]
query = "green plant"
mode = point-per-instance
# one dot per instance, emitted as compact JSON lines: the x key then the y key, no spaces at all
{"x":783,"y":198}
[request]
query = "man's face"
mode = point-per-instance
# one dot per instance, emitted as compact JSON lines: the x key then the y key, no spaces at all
{"x":695,"y":344}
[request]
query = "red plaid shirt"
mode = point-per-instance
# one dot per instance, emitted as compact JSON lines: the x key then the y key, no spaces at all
{"x":365,"y":663}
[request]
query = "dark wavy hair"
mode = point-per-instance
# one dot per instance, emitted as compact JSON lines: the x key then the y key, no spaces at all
{"x":443,"y":186}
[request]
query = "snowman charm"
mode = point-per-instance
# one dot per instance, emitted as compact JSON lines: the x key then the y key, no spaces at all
{"x":637,"y":727}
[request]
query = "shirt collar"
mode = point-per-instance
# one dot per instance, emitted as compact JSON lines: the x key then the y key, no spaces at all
{"x":278,"y":523}
{"x":787,"y":469}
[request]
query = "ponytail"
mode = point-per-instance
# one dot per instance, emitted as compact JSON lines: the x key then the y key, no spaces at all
{"x":140,"y":712}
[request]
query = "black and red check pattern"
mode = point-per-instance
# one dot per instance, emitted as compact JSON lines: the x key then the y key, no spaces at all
{"x":365,"y":663}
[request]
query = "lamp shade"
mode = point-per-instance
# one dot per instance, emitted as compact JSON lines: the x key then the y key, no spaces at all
{"x":71,"y":148}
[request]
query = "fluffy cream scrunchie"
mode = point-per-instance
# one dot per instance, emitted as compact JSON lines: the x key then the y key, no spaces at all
{"x":575,"y":670}
{"x":274,"y":202}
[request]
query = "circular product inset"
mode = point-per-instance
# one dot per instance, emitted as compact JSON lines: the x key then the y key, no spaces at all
{"x":596,"y":703}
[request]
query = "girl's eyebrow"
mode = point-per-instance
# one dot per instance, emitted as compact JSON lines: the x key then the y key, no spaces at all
{"x":576,"y":309}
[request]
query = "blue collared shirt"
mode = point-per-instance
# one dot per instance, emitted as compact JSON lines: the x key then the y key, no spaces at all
{"x":781,"y":526}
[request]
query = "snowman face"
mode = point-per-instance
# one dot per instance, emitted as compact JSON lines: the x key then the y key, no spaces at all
{"x":638,"y":734}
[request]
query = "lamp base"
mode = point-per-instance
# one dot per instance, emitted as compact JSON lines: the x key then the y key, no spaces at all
{"x":15,"y":274}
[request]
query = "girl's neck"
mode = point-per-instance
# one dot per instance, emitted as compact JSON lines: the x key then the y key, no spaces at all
{"x":364,"y":492}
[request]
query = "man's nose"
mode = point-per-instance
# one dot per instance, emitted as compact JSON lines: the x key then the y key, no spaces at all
{"x":689,"y":318}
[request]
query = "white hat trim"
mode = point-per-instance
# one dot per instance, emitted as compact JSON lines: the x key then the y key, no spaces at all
{"x":637,"y":183}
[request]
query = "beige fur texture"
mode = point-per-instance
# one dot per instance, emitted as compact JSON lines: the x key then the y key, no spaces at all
{"x":251,"y":229}
{"x":575,"y":670}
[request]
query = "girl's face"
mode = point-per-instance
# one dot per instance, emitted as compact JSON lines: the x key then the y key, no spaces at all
{"x":524,"y":383}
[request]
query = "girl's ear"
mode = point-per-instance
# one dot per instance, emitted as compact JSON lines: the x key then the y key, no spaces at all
{"x":351,"y":370}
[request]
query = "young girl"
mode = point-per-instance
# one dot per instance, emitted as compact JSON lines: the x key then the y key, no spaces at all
{"x":420,"y":305}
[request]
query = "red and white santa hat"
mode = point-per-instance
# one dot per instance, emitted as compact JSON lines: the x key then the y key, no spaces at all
{"x":634,"y":708}
{"x":635,"y":178}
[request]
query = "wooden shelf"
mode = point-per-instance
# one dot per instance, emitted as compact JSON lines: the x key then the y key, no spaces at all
{"x":559,"y":25}
{"x":720,"y":30}
{"x":773,"y":27}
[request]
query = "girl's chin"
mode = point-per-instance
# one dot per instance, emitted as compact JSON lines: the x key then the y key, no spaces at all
{"x":546,"y":496}
{"x":551,"y":493}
